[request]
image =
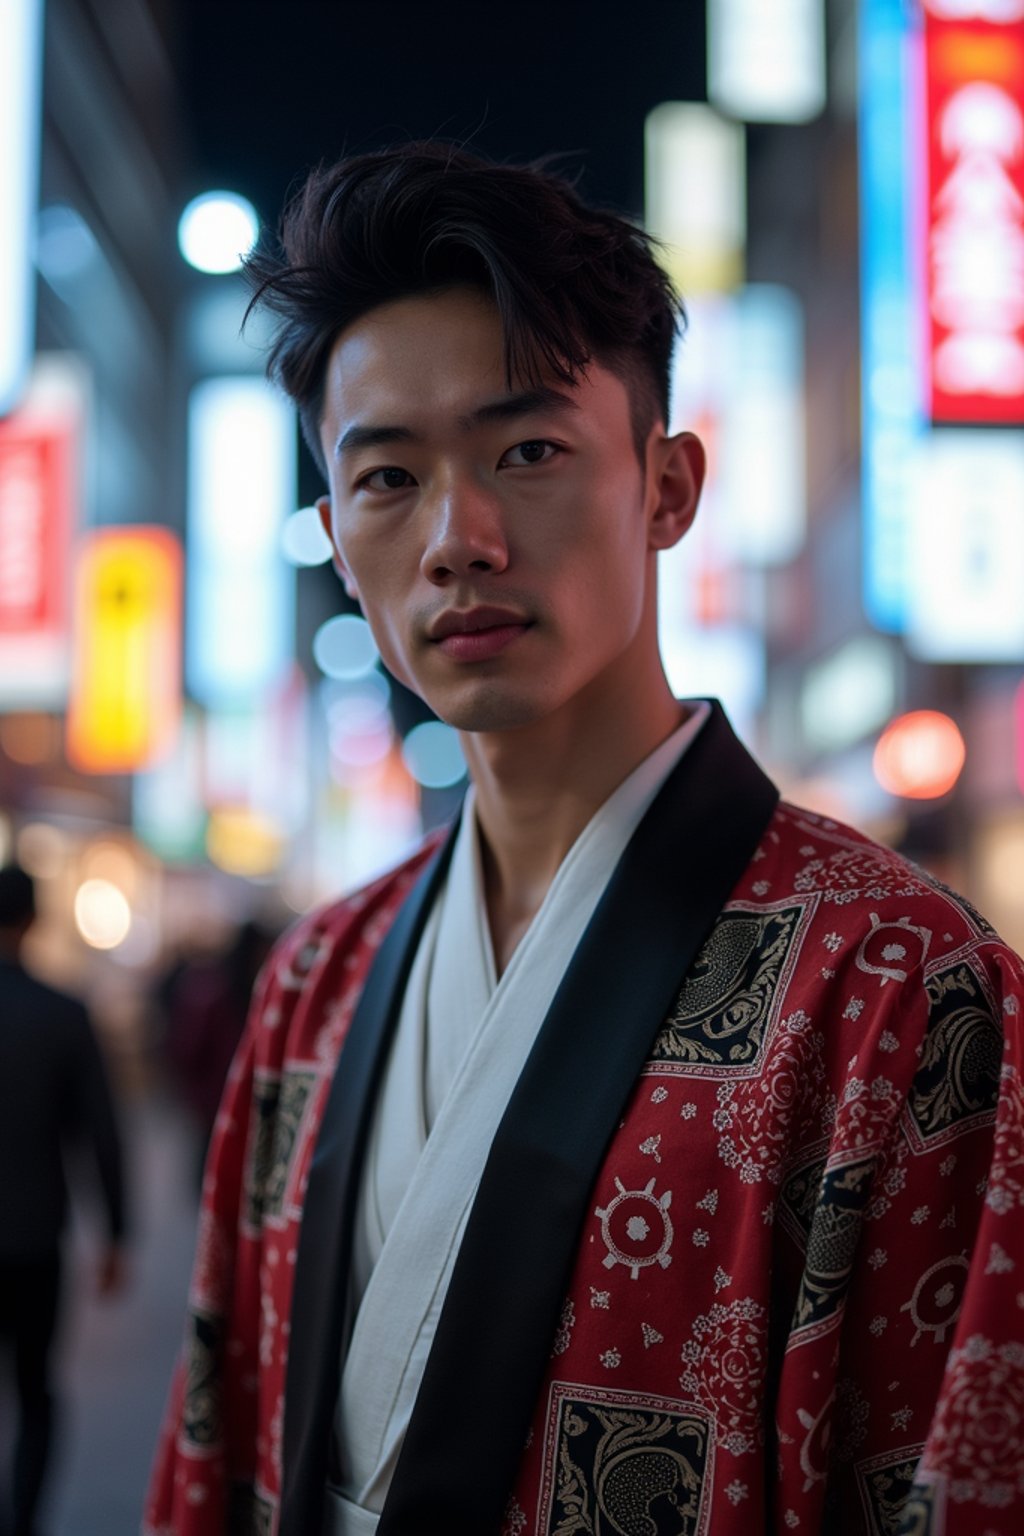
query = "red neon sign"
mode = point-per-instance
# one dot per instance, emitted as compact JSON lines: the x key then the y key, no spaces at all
{"x":974,"y":211}
{"x":38,"y":486}
{"x":40,"y":492}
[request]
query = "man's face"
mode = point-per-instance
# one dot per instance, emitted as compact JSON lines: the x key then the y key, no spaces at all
{"x":498,"y":541}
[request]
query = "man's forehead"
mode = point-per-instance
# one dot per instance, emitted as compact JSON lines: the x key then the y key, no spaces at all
{"x":403,"y":353}
{"x":457,"y":320}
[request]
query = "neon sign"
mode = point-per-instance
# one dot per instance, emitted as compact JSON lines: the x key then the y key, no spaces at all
{"x":973,"y":247}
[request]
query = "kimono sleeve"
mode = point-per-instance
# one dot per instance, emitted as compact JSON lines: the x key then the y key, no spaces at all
{"x":970,"y":1477}
{"x":910,"y":1420}
{"x":900,"y":1409}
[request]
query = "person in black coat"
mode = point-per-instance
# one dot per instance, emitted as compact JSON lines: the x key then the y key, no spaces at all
{"x":54,"y":1093}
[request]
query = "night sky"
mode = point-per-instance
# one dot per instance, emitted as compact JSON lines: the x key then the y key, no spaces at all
{"x":272,"y":88}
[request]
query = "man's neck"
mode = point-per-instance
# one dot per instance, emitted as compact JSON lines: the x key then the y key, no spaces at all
{"x":536,"y":790}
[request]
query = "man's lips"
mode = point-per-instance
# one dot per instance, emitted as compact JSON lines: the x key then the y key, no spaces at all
{"x":472,"y":621}
{"x":477,"y":634}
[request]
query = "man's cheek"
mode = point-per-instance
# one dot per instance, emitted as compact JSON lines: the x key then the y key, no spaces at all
{"x":392,"y":653}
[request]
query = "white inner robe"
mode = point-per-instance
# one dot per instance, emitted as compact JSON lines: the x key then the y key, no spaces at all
{"x":462,"y":1040}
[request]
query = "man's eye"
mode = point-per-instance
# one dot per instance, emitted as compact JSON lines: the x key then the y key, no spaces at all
{"x":535,"y":451}
{"x":391,"y":478}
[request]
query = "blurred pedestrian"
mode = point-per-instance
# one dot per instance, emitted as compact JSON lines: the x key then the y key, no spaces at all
{"x":205,"y":1008}
{"x":54,"y":1094}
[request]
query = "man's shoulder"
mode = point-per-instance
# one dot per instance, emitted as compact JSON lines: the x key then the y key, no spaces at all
{"x":862,"y":931}
{"x":817,"y":857}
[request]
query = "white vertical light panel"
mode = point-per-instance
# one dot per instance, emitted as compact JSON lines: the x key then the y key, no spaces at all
{"x":167,"y":811}
{"x":720,"y":661}
{"x":695,"y":194}
{"x":707,"y":640}
{"x":21,"y":37}
{"x":762,"y":457}
{"x":966,"y":575}
{"x":241,"y":591}
{"x":738,"y":382}
{"x":766,"y":59}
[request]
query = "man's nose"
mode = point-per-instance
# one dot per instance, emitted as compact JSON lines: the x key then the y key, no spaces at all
{"x":465,"y":532}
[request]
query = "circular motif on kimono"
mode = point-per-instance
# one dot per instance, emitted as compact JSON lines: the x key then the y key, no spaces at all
{"x":937,"y":1296}
{"x":636,"y":1228}
{"x":893,"y":950}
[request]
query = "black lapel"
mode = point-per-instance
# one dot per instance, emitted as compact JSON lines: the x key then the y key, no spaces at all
{"x":313,"y":1374}
{"x":479,"y":1389}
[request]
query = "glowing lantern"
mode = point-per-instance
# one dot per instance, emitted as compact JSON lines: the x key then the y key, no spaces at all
{"x":919,"y":756}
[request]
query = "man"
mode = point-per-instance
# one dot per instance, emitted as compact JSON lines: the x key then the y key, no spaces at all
{"x":619,"y":1163}
{"x":53,"y":1095}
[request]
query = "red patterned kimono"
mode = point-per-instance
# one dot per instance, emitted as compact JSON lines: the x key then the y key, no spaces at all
{"x":768,"y":1278}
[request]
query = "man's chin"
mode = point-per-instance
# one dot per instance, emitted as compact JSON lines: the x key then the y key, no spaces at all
{"x":489,"y":709}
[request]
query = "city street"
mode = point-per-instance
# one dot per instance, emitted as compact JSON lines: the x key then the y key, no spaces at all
{"x":117,"y":1355}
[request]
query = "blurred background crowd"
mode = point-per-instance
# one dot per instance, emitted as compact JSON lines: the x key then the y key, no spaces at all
{"x":197,"y":740}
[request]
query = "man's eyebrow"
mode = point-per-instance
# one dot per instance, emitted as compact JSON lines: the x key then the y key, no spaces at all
{"x":505,"y":408}
{"x":371,"y":437}
{"x":509,"y":407}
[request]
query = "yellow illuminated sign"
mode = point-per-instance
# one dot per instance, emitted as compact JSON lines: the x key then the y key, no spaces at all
{"x":126,"y":686}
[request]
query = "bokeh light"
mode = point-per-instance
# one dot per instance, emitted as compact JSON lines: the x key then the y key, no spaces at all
{"x":433,"y":755}
{"x":344,"y":647}
{"x":243,"y":842}
{"x":303,"y":539}
{"x":42,"y":849}
{"x":65,"y":245}
{"x":113,"y":862}
{"x":919,"y":755}
{"x":216,"y":231}
{"x":102,"y":914}
{"x":359,"y":729}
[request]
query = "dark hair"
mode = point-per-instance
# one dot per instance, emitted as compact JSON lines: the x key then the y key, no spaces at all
{"x":570,"y":282}
{"x":17,"y":896}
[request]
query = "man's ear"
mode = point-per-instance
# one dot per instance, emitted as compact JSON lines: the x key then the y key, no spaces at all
{"x":678,"y":477}
{"x":323,"y":506}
